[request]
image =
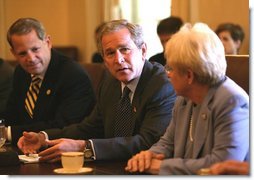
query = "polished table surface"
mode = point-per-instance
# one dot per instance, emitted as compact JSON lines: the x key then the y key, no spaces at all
{"x":99,"y":167}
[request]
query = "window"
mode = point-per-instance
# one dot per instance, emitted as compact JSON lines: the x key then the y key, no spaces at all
{"x":147,"y":13}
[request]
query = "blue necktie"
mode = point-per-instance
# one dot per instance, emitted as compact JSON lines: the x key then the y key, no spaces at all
{"x":124,"y":115}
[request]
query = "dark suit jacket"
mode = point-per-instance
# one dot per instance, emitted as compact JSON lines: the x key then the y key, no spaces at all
{"x":66,"y":96}
{"x":152,"y":103}
{"x":159,"y":58}
{"x":6,"y":76}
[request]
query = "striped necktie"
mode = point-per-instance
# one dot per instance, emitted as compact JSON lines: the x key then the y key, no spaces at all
{"x":124,"y":115}
{"x":32,"y":95}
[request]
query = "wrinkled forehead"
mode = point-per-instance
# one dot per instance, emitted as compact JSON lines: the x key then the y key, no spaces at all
{"x":122,"y":36}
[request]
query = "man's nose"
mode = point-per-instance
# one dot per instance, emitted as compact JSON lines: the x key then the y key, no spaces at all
{"x":119,"y":57}
{"x":30,"y":56}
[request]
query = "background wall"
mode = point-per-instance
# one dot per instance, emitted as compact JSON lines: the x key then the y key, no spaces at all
{"x":72,"y":22}
{"x":69,"y":22}
{"x":214,"y":12}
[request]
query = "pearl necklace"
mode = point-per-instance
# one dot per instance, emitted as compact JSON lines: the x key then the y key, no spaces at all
{"x":190,"y":128}
{"x":191,"y":124}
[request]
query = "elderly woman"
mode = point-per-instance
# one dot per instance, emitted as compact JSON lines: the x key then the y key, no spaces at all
{"x":210,"y":121}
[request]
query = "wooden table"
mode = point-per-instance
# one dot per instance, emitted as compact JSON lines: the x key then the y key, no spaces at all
{"x":99,"y":168}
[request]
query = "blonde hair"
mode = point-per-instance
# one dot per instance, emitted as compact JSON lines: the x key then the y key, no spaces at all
{"x":197,"y":48}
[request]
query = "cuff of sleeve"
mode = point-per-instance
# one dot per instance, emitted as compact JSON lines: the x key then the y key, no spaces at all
{"x":45,"y":134}
{"x":92,"y":147}
{"x":46,"y":139}
{"x":9,"y":138}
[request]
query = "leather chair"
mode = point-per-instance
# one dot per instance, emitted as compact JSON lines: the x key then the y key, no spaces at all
{"x":97,"y":72}
{"x":238,"y":70}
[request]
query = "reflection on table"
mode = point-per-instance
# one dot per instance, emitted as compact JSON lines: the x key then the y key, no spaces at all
{"x":99,"y":167}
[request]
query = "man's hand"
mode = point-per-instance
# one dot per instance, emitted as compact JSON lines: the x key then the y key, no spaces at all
{"x":31,"y":142}
{"x":56,"y":147}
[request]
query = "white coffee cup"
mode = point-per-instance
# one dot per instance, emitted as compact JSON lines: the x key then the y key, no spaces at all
{"x":72,"y":161}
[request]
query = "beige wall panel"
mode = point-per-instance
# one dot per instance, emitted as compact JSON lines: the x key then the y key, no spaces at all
{"x":214,"y":12}
{"x":72,"y":22}
{"x":52,"y":13}
{"x":69,"y":22}
{"x":84,"y":16}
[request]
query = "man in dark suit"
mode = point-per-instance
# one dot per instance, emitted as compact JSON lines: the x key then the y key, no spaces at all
{"x":152,"y":97}
{"x":65,"y":91}
{"x":165,"y":30}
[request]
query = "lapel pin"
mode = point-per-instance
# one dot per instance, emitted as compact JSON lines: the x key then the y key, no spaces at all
{"x":134,"y":109}
{"x":204,"y":116}
{"x":48,"y":92}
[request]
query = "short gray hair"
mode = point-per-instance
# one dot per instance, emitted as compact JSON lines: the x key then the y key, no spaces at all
{"x":25,"y":26}
{"x":115,"y":25}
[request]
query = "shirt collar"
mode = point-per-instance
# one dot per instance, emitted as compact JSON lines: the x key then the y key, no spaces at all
{"x":40,"y":76}
{"x":132,"y":85}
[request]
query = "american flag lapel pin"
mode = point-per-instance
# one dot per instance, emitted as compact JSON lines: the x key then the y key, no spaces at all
{"x":204,"y":117}
{"x":48,"y":92}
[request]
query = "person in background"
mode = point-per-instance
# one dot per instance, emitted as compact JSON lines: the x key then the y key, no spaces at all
{"x":96,"y":57}
{"x":63,"y":93}
{"x":103,"y":136}
{"x":230,"y":167}
{"x":6,"y":71}
{"x":165,"y":30}
{"x":210,"y":121}
{"x":232,"y":36}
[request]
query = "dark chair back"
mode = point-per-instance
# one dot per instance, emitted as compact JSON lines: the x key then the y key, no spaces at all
{"x":238,"y":70}
{"x":96,"y":72}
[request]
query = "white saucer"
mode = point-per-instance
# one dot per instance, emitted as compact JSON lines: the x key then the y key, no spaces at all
{"x":64,"y":171}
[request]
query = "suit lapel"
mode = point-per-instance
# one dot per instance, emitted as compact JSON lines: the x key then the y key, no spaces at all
{"x":144,"y":78}
{"x":137,"y":98}
{"x":47,"y":88}
{"x":182,"y":128}
{"x":25,"y":86}
{"x":201,"y":131}
{"x":202,"y":124}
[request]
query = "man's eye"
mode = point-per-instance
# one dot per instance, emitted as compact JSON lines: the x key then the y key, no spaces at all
{"x":22,"y":54}
{"x":110,"y":53}
{"x":35,"y":49}
{"x":124,"y":50}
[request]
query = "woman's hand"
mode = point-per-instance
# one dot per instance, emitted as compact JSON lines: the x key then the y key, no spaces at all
{"x":145,"y":161}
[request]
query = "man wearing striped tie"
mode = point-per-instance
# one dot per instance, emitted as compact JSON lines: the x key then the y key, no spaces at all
{"x":32,"y":94}
{"x":49,"y":89}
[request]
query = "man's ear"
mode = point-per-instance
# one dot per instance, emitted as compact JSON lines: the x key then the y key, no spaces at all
{"x":48,"y":41}
{"x":238,"y":44}
{"x":144,"y":50}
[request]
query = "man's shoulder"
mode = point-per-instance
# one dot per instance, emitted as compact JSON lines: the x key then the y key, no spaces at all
{"x":6,"y":67}
{"x":64,"y":63}
{"x":154,"y":69}
{"x":154,"y":76}
{"x":159,"y":58}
